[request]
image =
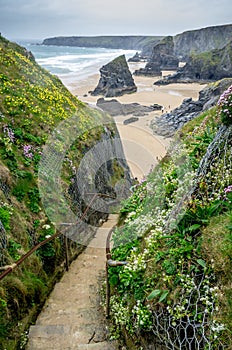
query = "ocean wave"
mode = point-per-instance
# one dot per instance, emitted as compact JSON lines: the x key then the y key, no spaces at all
{"x":77,"y":61}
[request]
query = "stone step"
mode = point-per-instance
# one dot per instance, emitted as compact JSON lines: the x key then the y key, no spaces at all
{"x":69,"y":316}
{"x":74,"y":289}
{"x":92,"y":346}
{"x":93,"y":275}
{"x":68,"y":335}
{"x":98,"y":346}
{"x":72,"y":318}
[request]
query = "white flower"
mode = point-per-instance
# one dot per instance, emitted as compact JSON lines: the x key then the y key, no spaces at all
{"x":46,"y":227}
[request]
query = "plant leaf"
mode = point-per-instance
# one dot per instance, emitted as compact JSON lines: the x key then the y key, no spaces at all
{"x":155,"y":293}
{"x":194,"y":227}
{"x":163,"y":295}
{"x":201,"y":262}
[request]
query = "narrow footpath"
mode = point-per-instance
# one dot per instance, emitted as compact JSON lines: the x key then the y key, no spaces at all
{"x":72,"y":317}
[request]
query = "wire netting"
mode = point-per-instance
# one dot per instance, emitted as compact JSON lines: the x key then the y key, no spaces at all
{"x":195,"y":330}
{"x":3,"y":243}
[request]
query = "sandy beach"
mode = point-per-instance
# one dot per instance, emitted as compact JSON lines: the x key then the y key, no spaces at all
{"x":142,"y":148}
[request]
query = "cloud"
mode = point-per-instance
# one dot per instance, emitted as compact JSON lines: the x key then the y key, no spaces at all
{"x":43,"y":18}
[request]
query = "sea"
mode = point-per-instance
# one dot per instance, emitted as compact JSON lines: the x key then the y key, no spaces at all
{"x":75,"y":62}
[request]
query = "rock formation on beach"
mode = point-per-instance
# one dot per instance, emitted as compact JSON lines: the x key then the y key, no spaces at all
{"x":167,"y":124}
{"x":116,"y":79}
{"x":207,"y":66}
{"x":114,"y":107}
{"x":162,"y":58}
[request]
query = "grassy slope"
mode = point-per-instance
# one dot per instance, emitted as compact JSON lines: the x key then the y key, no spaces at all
{"x":32,"y":103}
{"x":164,"y":263}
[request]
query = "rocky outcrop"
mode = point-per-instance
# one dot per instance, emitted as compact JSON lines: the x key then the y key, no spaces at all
{"x":114,"y":108}
{"x":167,"y":124}
{"x":146,"y":51}
{"x":130,"y":120}
{"x":116,"y":79}
{"x":193,"y":41}
{"x":207,"y":66}
{"x":137,"y":58}
{"x":162,"y":58}
{"x":201,"y":40}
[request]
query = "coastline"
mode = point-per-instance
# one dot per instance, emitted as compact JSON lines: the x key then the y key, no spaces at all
{"x":142,"y":148}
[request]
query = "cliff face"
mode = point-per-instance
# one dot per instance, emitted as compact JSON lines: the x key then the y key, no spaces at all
{"x":112,"y":42}
{"x":202,"y":40}
{"x":162,"y":58}
{"x":213,"y":65}
{"x":116,"y":79}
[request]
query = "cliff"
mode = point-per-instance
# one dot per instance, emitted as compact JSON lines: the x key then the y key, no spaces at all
{"x":162,"y":58}
{"x":116,"y":79}
{"x":192,"y":41}
{"x":112,"y":42}
{"x":207,"y":66}
{"x":202,"y":40}
{"x":45,"y":134}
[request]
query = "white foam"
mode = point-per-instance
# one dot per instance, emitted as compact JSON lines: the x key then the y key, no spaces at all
{"x":84,"y":61}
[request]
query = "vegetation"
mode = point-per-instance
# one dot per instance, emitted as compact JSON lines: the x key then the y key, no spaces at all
{"x":211,"y":65}
{"x":174,"y":230}
{"x":32,"y":104}
{"x":175,"y":233}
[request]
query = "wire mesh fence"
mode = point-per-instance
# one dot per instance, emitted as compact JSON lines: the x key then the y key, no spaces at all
{"x":5,"y":189}
{"x":190,"y":324}
{"x":195,"y":329}
{"x":3,"y":243}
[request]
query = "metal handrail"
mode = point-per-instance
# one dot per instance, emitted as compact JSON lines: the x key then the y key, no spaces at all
{"x":10,"y":268}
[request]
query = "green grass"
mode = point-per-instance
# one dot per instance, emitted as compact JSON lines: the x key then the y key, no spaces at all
{"x":162,"y":263}
{"x":32,"y":105}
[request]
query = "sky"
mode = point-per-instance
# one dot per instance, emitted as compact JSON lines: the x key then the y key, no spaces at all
{"x":39,"y":19}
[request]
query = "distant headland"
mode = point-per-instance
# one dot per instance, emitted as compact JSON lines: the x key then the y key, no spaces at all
{"x":133,"y":42}
{"x":197,"y":41}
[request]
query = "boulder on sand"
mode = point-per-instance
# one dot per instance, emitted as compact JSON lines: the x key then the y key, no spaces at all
{"x":116,"y":79}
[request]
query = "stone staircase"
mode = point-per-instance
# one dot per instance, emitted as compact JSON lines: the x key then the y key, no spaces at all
{"x":72,"y":317}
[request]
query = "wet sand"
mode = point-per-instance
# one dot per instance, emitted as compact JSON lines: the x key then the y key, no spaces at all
{"x":142,"y":148}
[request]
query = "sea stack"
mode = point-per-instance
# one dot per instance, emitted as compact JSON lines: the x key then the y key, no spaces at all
{"x":162,"y":58}
{"x":116,"y":79}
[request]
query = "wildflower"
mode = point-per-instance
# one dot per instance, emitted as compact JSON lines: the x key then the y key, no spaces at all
{"x":224,"y":104}
{"x":9,"y":133}
{"x":46,"y":227}
{"x":27,"y":151}
{"x":228,"y":189}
